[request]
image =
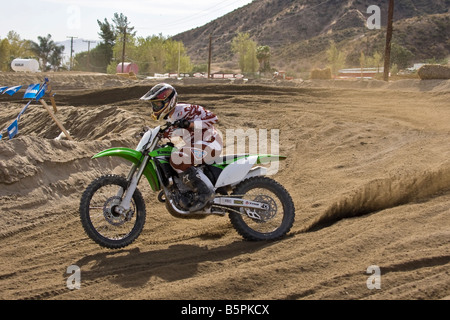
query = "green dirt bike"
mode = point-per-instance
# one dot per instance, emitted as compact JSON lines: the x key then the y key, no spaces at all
{"x":113,"y":213}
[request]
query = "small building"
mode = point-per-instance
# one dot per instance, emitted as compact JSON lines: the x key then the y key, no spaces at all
{"x":127,"y":68}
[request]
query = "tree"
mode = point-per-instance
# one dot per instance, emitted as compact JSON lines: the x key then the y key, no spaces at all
{"x":55,"y":58}
{"x":123,"y":31}
{"x":4,"y":55}
{"x":400,"y":56}
{"x":263,"y":56}
{"x":13,"y":47}
{"x":19,"y":48}
{"x":107,"y":33}
{"x":105,"y":48}
{"x":362,"y":62}
{"x":376,"y":60}
{"x":176,"y":57}
{"x":245,"y":48}
{"x":152,"y":54}
{"x":336,"y":58}
{"x":47,"y":52}
{"x":157,"y":54}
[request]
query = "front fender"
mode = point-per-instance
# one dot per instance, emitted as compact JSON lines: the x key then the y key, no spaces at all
{"x":134,"y":157}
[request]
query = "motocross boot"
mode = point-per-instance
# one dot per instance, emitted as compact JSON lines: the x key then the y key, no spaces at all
{"x":199,"y":183}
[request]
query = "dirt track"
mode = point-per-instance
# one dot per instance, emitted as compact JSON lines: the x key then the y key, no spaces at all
{"x":368,"y":170}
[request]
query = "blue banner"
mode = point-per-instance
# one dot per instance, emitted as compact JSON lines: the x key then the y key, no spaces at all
{"x":11,"y":91}
{"x":41,"y":92}
{"x":32,"y":91}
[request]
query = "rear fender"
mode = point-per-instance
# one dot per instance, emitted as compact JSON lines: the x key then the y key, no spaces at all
{"x":236,"y":171}
{"x":241,"y":168}
{"x":134,"y":157}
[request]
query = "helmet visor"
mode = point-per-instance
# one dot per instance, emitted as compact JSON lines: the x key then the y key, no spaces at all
{"x":157,"y":105}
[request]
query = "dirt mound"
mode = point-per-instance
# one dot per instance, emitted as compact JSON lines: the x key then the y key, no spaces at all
{"x":367,"y":169}
{"x":432,"y":71}
{"x":65,"y":80}
{"x":405,"y":85}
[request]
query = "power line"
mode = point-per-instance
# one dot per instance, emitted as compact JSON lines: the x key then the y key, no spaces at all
{"x":196,"y":15}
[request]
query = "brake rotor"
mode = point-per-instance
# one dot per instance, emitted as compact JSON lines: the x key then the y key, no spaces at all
{"x":110,"y":214}
{"x":267,"y":214}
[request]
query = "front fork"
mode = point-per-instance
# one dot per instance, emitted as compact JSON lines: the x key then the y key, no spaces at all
{"x":133,"y":181}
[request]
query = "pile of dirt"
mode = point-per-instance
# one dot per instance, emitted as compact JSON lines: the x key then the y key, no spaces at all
{"x":64,"y":80}
{"x":434,"y":71}
{"x":367,"y":169}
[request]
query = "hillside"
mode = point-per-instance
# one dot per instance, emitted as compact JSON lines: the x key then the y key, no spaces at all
{"x":299,"y":31}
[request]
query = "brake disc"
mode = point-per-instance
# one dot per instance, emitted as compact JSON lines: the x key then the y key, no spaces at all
{"x":110,"y":214}
{"x":261,"y":215}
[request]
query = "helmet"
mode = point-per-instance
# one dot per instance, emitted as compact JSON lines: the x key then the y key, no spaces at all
{"x":163,"y":98}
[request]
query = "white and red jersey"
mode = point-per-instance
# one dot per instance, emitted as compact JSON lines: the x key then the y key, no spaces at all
{"x":203,"y":120}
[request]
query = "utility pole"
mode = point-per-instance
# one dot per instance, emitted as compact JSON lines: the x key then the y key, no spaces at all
{"x":179,"y":58}
{"x":387,"y":52}
{"x":210,"y":56}
{"x":71,"y":51}
{"x":123,"y":50}
{"x":89,"y":52}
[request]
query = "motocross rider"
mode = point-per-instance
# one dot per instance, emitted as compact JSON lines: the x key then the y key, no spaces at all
{"x":202,"y":145}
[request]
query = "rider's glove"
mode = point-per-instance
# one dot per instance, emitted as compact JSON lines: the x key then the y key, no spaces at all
{"x":182,"y":123}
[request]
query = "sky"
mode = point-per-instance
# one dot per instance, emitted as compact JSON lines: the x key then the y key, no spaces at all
{"x":78,"y":18}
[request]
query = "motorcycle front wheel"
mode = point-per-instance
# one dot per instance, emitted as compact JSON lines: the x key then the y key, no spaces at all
{"x":270,"y":224}
{"x":99,"y":218}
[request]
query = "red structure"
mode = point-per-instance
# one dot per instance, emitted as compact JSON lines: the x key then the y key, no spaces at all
{"x":127,"y":68}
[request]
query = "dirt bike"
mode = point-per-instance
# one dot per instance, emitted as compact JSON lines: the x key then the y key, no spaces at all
{"x":113,"y":213}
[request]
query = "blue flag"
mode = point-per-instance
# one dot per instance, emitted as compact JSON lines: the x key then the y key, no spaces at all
{"x":13,"y":129}
{"x":41,"y":92}
{"x":11,"y":91}
{"x":32,"y":91}
{"x":1,"y":136}
{"x":2,"y":89}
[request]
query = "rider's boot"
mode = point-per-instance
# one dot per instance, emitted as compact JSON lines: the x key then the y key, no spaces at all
{"x":199,"y":182}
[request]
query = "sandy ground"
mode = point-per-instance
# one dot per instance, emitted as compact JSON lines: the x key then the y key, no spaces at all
{"x":368,"y":169}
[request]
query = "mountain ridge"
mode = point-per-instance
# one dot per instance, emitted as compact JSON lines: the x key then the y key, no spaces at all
{"x":282,"y":24}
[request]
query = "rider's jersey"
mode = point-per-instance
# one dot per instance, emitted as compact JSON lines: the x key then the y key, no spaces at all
{"x":203,"y":119}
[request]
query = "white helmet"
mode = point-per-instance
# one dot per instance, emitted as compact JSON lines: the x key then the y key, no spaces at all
{"x":163,"y":99}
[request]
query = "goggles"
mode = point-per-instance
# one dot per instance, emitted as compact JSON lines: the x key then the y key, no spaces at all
{"x":157,"y":105}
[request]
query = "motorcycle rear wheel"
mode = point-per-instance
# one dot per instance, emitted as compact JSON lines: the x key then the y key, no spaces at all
{"x":99,"y":219}
{"x":273,"y":223}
